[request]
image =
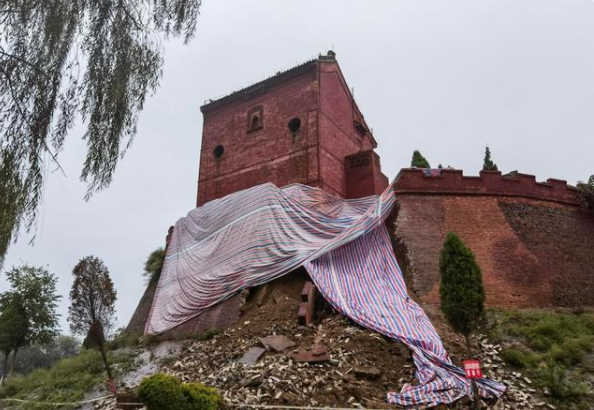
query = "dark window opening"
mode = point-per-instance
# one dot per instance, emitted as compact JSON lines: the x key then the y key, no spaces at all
{"x":219,"y":151}
{"x":255,"y":122}
{"x":294,"y":125}
{"x":360,"y":128}
{"x":255,"y":118}
{"x":361,"y":159}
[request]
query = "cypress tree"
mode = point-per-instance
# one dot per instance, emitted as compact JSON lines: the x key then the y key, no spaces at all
{"x":461,"y":288}
{"x":418,"y":160}
{"x":488,"y":164}
{"x":461,"y":292}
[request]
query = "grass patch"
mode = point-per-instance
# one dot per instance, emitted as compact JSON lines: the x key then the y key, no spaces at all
{"x":549,"y":346}
{"x":519,"y":358}
{"x":67,"y":381}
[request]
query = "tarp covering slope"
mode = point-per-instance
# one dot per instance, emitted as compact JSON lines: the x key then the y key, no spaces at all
{"x":256,"y":235}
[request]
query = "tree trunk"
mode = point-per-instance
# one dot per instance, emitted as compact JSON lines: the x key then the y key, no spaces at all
{"x":105,"y":363}
{"x":4,"y":373}
{"x":14,"y":356}
{"x":475,"y":392}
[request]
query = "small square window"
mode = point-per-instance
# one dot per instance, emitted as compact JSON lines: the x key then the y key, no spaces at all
{"x":255,"y":118}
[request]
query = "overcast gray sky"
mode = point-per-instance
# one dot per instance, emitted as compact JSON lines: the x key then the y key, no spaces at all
{"x":442,"y":76}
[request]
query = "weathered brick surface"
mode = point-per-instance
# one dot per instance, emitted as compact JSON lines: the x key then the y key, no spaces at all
{"x":219,"y":317}
{"x":318,"y":95}
{"x":562,"y":239}
{"x":531,"y":252}
{"x":489,"y":183}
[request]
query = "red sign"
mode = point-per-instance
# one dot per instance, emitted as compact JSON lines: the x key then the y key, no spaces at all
{"x":110,"y":383}
{"x":472,"y":368}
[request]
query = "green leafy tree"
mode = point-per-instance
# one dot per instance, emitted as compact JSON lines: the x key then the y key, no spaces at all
{"x":33,"y":293}
{"x":461,"y":291}
{"x":92,"y":309}
{"x":154,"y":264}
{"x":13,"y":330}
{"x":586,"y":193}
{"x":587,"y":187}
{"x":44,"y":356}
{"x":63,"y":60}
{"x":419,"y":161}
{"x":488,"y":164}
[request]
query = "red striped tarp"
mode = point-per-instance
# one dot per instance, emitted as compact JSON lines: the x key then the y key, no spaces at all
{"x":259,"y":234}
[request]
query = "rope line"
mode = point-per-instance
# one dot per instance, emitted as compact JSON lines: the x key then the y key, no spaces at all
{"x":255,"y":406}
{"x":267,"y":406}
{"x":58,"y":404}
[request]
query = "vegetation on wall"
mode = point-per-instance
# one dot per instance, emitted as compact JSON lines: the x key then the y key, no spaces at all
{"x":586,"y":193}
{"x":488,"y":164}
{"x":154,"y":264}
{"x":419,"y":161}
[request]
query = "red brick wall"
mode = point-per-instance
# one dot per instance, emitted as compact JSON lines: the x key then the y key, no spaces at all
{"x":532,"y":252}
{"x":317,"y":94}
{"x":338,"y":136}
{"x":269,"y":154}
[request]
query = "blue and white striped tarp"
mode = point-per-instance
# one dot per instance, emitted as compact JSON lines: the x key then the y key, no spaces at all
{"x":259,"y":234}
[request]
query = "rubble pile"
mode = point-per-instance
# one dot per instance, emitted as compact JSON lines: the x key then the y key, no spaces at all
{"x":269,"y":358}
{"x":319,"y":367}
{"x":520,"y":393}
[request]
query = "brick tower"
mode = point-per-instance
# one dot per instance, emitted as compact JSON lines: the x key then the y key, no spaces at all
{"x":299,"y":126}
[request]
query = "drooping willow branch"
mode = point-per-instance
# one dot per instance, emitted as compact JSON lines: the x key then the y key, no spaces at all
{"x":44,"y":88}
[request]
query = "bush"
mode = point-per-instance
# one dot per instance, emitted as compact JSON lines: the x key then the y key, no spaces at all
{"x":563,"y":388}
{"x":200,"y":397}
{"x":571,"y":351}
{"x":161,"y":392}
{"x":164,"y":392}
{"x":518,"y":358}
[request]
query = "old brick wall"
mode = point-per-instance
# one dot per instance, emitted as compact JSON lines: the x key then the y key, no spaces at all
{"x":532,"y":251}
{"x":268,"y":154}
{"x":338,"y":135}
{"x":332,"y":127}
{"x":562,"y":240}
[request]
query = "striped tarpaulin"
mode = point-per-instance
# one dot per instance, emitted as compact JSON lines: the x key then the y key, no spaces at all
{"x":363,"y":280}
{"x":254,"y":236}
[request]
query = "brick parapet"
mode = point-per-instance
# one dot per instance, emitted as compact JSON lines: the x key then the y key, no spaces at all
{"x":489,"y":183}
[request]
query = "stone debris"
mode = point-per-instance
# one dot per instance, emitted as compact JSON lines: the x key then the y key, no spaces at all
{"x":358,"y":368}
{"x":519,"y":394}
{"x":278,"y":343}
{"x":326,"y":377}
{"x":370,"y":372}
{"x":250,"y":357}
{"x":317,"y":354}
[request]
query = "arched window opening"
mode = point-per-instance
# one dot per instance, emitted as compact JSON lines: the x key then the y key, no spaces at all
{"x":255,"y":122}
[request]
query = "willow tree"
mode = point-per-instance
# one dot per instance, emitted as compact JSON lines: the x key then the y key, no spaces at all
{"x":61,"y":60}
